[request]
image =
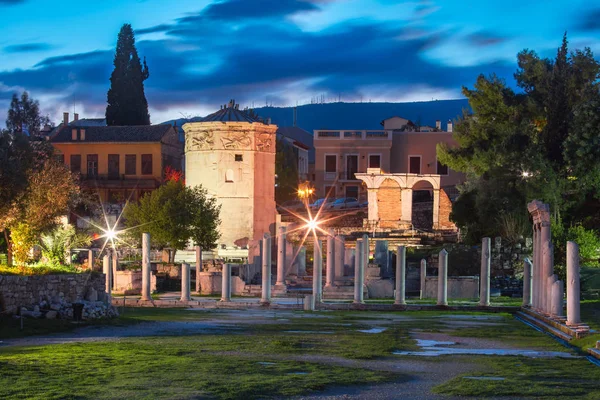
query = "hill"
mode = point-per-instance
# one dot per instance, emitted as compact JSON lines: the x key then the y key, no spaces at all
{"x":359,"y":115}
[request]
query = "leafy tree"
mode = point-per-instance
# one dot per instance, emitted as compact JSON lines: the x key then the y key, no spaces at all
{"x":286,"y":169}
{"x":127,"y":104}
{"x":24,"y":116}
{"x":50,"y":192}
{"x":56,"y":244}
{"x":541,"y":143}
{"x":173,"y":214}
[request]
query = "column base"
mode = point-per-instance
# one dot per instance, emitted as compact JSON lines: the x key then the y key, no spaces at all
{"x":400,"y":303}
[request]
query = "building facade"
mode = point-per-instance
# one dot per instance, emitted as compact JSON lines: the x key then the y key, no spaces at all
{"x":231,"y":153}
{"x":119,"y":163}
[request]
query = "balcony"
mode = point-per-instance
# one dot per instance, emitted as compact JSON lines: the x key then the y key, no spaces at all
{"x":347,"y":175}
{"x":344,"y":135}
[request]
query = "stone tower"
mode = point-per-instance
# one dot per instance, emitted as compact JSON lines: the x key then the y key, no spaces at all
{"x":231,"y":153}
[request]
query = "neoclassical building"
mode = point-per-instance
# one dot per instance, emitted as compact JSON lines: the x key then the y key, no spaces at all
{"x":231,"y":153}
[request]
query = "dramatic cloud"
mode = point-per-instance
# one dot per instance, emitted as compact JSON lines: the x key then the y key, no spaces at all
{"x":27,"y":48}
{"x":484,"y":39}
{"x":243,"y":9}
{"x":11,"y":2}
{"x":590,"y":21}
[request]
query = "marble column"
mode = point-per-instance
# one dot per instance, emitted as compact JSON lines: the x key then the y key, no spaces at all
{"x":115,"y":264}
{"x":146,"y":271}
{"x":226,"y":283}
{"x":107,"y":276}
{"x":318,"y":271}
{"x":90,"y":259}
{"x":301,"y":261}
{"x":281,"y":257}
{"x":534,"y":268}
{"x":547,"y":262}
{"x":340,"y":255}
{"x":573,"y":285}
{"x":442,"y":299}
{"x":400,"y":297}
{"x":484,"y":278}
{"x":330,"y":270}
{"x":358,"y":272}
{"x":185,"y":282}
{"x":527,"y":267}
{"x":557,"y":295}
{"x":547,"y":272}
{"x":198,"y":267}
{"x":266,"y":269}
{"x":365,"y":254}
{"x":423,"y":276}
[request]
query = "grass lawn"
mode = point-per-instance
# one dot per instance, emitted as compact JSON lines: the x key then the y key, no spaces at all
{"x":161,"y":368}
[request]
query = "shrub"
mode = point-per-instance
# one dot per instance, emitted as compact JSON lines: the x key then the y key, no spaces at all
{"x":37,"y":269}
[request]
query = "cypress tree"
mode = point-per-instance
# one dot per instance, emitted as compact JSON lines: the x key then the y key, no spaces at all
{"x":127,"y":104}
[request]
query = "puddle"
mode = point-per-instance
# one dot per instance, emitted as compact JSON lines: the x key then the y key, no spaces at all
{"x":266,"y":363}
{"x":372,"y":330}
{"x":317,"y":332}
{"x":434,"y":348}
{"x":484,"y":378}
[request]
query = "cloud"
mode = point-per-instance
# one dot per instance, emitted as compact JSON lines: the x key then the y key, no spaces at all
{"x":590,"y":21}
{"x":230,"y":10}
{"x":484,"y":39}
{"x":153,"y":29}
{"x":11,"y":2}
{"x":27,"y":48}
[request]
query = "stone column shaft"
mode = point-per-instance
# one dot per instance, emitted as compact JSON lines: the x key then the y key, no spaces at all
{"x":484,"y":280}
{"x":146,"y":272}
{"x":115,"y":263}
{"x":90,"y":259}
{"x":442,"y":299}
{"x":547,"y":272}
{"x":400,"y":297}
{"x":301,"y":261}
{"x":226,"y":283}
{"x":358,"y":272}
{"x":281,"y":257}
{"x":340,"y":255}
{"x":573,"y":284}
{"x":266,"y":269}
{"x":185,"y":282}
{"x":330,"y":270}
{"x":198,"y":267}
{"x":527,"y":283}
{"x":318,"y":271}
{"x":534,"y":266}
{"x":423,"y":276}
{"x":106,"y":269}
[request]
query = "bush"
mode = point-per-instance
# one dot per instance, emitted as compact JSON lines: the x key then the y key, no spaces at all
{"x":587,"y":239}
{"x":37,"y":269}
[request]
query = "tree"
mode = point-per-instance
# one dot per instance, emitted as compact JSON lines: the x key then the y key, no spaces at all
{"x":173,"y":214}
{"x":127,"y":104}
{"x":24,"y":116}
{"x":541,"y":143}
{"x":286,"y":169}
{"x":51,"y":190}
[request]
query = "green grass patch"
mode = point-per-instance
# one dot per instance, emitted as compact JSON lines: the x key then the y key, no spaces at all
{"x":527,"y":377}
{"x":162,"y":368}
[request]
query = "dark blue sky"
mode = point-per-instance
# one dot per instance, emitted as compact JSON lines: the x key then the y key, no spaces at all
{"x":202,"y":53}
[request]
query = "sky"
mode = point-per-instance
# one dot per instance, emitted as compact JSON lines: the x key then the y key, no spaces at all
{"x":201,"y":53}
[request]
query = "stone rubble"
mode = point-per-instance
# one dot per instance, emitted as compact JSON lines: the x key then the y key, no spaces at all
{"x":62,"y":309}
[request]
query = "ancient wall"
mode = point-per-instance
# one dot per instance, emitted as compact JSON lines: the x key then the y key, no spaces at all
{"x":445,"y":210}
{"x":389,"y":202}
{"x":459,"y":287}
{"x":27,"y":291}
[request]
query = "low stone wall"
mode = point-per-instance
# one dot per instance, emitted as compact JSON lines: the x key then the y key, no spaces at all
{"x":29,"y":291}
{"x":459,"y":287}
{"x":130,"y":282}
{"x":211,"y":284}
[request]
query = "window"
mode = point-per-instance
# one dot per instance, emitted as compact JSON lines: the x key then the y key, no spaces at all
{"x":374,"y":161}
{"x":73,"y":134}
{"x":146,"y":164}
{"x":352,"y":191}
{"x":442,"y":169}
{"x":82,"y":134}
{"x":351,"y":166}
{"x":113,"y":166}
{"x":92,"y":165}
{"x":331,"y":163}
{"x":229,"y":175}
{"x":414,"y":164}
{"x":330,"y":192}
{"x":76,"y":163}
{"x":239,"y":157}
{"x":130,"y":167}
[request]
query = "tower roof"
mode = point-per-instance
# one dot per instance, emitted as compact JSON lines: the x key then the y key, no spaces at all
{"x":230,"y":112}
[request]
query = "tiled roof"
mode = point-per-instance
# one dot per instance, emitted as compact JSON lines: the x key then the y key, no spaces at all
{"x":89,"y":122}
{"x":230,"y":114}
{"x":140,"y":133}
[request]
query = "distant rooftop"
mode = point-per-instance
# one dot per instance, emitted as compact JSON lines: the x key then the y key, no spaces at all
{"x":89,"y":122}
{"x":95,"y":134}
{"x":230,"y":112}
{"x":301,"y":136}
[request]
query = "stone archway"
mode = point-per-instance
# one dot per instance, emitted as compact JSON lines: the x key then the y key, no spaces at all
{"x":389,"y":204}
{"x":422,"y":205}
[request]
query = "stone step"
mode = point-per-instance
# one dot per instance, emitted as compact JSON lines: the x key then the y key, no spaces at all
{"x":540,"y":324}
